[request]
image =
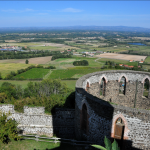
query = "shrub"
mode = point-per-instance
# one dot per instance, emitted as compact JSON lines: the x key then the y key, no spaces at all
{"x":8,"y":129}
{"x":27,"y":61}
{"x":81,"y":63}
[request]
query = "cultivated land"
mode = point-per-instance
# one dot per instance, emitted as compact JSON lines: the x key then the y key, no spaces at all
{"x":34,"y":73}
{"x":122,"y":56}
{"x":6,"y":68}
{"x":37,"y":60}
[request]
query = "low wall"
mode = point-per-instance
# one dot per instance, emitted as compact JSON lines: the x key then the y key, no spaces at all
{"x":35,"y":121}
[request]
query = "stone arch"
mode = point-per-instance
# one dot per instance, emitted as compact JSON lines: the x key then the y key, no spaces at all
{"x":87,"y":106}
{"x":123,"y":75}
{"x":126,"y":130}
{"x":146,"y":83}
{"x":122,"y":85}
{"x":103,"y":86}
{"x":87,"y":84}
{"x":103,"y":76}
{"x":84,"y":118}
{"x":145,"y":78}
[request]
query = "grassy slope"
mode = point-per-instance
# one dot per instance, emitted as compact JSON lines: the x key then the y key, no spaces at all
{"x":33,"y":73}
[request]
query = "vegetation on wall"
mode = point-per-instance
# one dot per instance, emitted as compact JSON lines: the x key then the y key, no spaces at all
{"x":8,"y":129}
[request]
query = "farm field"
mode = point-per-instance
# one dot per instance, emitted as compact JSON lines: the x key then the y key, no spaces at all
{"x":6,"y":68}
{"x":64,"y":63}
{"x":118,"y":61}
{"x":34,"y":73}
{"x":122,"y":56}
{"x":147,"y":60}
{"x":69,"y":73}
{"x":41,"y":45}
{"x":37,"y":60}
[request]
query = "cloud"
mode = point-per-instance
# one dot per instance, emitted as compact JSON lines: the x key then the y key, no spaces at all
{"x":18,"y":11}
{"x":42,"y":13}
{"x":71,"y":10}
{"x":8,"y":10}
{"x":28,"y":9}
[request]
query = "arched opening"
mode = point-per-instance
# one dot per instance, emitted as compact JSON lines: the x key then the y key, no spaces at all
{"x":102,"y":86}
{"x":87,"y":86}
{"x":146,"y":88}
{"x":122,"y":86}
{"x":119,"y":131}
{"x":84,"y":118}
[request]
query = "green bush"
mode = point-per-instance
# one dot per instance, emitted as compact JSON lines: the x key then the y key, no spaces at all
{"x":81,"y":63}
{"x":8,"y":129}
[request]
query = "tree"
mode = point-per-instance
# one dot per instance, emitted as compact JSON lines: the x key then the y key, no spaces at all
{"x":27,"y":61}
{"x":8,"y":130}
{"x":0,"y":76}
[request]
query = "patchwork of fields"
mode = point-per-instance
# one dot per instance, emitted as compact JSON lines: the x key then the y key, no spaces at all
{"x":122,"y":56}
{"x":37,"y":60}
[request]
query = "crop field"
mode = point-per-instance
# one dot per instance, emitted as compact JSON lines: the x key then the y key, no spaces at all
{"x":147,"y":59}
{"x":146,"y":67}
{"x":34,"y":73}
{"x":69,"y":73}
{"x":118,"y":61}
{"x":6,"y":68}
{"x":37,"y":60}
{"x":64,"y":63}
{"x":122,"y":56}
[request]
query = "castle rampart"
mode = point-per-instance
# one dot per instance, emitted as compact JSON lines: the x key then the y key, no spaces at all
{"x":102,"y":110}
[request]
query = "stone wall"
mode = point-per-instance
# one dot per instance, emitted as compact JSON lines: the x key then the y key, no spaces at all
{"x":103,"y":114}
{"x":35,"y":121}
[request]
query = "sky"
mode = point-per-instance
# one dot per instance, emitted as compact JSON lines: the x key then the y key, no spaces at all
{"x":74,"y":13}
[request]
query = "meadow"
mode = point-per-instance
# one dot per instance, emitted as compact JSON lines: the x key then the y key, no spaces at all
{"x":70,"y":73}
{"x":147,"y":60}
{"x":6,"y":68}
{"x":34,"y":73}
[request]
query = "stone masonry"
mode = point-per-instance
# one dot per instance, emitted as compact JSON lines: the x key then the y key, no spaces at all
{"x":103,"y":111}
{"x":35,"y":121}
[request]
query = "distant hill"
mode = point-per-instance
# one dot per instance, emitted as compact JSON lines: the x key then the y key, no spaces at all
{"x":104,"y":28}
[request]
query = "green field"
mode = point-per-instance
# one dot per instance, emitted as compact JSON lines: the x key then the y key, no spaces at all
{"x":69,"y":73}
{"x":147,"y":60}
{"x":34,"y":145}
{"x":118,"y":61}
{"x":34,"y":73}
{"x":6,"y":68}
{"x":45,"y":48}
{"x":70,"y":83}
